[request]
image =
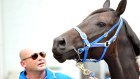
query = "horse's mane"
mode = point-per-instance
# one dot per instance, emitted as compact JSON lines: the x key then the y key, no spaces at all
{"x":133,"y":38}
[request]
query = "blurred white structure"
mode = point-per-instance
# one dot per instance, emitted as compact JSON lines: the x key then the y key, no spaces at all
{"x":1,"y":44}
{"x":35,"y":23}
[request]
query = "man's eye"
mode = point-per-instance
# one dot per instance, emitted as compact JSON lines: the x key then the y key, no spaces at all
{"x":101,"y":24}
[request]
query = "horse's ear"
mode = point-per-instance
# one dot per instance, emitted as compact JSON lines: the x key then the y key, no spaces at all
{"x":106,"y":4}
{"x":121,"y":7}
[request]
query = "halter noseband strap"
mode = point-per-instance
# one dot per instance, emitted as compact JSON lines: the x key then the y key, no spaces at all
{"x":95,"y":42}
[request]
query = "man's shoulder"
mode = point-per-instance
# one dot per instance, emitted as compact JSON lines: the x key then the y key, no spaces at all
{"x":57,"y":75}
{"x":22,"y":75}
{"x":62,"y":76}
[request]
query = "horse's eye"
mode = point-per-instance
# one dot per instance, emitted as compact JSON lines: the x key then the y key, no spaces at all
{"x":101,"y":24}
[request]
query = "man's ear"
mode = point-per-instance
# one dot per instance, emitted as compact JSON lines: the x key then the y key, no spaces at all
{"x":23,"y":64}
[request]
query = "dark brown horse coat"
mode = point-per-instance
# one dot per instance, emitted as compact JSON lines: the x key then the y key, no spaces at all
{"x":121,"y":54}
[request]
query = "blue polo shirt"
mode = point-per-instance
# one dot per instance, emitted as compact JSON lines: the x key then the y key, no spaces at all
{"x":49,"y":75}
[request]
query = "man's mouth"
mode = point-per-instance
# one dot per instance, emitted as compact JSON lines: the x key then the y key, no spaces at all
{"x":41,"y":64}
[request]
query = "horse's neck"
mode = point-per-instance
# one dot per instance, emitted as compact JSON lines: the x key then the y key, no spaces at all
{"x":115,"y":68}
{"x":122,"y":62}
{"x":122,"y":69}
{"x":119,"y":71}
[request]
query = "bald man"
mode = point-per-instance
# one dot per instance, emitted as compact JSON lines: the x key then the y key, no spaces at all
{"x":35,"y":66}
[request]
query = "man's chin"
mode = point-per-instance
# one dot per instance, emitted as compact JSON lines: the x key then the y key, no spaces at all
{"x":42,"y":69}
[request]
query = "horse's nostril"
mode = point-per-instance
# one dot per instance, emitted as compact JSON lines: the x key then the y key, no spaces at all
{"x":60,"y":43}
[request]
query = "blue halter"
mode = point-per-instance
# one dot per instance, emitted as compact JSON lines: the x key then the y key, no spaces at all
{"x":95,"y":42}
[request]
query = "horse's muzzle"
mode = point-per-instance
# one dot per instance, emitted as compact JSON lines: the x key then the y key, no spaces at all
{"x":58,"y":45}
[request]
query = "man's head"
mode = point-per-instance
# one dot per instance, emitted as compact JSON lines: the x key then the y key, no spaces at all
{"x":33,"y":60}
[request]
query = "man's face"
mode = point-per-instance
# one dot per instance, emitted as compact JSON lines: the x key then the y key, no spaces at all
{"x":34,"y":61}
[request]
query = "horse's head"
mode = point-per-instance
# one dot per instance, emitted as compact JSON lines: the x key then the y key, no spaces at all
{"x":95,"y":25}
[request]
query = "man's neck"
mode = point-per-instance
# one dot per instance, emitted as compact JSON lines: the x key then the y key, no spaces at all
{"x":36,"y":75}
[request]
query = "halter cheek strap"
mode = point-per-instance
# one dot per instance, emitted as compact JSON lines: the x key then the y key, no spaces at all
{"x":95,"y":42}
{"x":83,"y":36}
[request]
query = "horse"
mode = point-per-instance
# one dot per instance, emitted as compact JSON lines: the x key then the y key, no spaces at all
{"x":102,"y":35}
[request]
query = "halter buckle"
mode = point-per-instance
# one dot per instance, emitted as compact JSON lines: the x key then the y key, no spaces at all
{"x":107,"y":44}
{"x":80,"y":50}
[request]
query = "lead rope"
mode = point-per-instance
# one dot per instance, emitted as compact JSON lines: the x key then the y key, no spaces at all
{"x":85,"y":71}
